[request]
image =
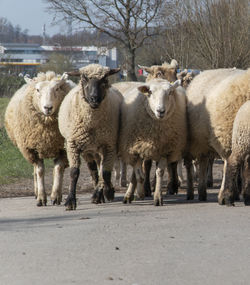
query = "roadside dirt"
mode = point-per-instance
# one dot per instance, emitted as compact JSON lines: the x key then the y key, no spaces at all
{"x":24,"y":187}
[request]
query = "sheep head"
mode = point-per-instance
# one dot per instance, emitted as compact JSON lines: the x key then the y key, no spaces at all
{"x":160,"y":97}
{"x":49,"y":92}
{"x":185,"y":77}
{"x":94,"y":82}
{"x":165,"y":71}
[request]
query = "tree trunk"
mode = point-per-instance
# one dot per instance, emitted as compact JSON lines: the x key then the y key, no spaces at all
{"x":131,"y":76}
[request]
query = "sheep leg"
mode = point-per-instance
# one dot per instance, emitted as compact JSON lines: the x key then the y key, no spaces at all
{"x":117,"y":168}
{"x":74,"y":162}
{"x":230,"y":188}
{"x":221,"y":200}
{"x":129,"y":195}
{"x":35,"y":182}
{"x":41,"y":194}
{"x":179,"y":171}
{"x":190,"y":184}
{"x":202,"y":186}
{"x":140,"y":180}
{"x":173,"y":184}
{"x":56,"y":194}
{"x":93,"y":169}
{"x":158,"y":200}
{"x":210,"y":172}
{"x":246,"y":177}
{"x":147,"y":164}
{"x":104,"y":185}
{"x":123,"y":174}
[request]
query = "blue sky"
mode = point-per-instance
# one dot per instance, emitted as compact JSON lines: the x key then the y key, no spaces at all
{"x":29,"y":14}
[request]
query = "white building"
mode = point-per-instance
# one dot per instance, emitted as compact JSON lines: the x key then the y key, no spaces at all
{"x":26,"y":57}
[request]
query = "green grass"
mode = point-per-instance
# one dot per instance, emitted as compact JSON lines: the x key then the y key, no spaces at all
{"x":12,"y":163}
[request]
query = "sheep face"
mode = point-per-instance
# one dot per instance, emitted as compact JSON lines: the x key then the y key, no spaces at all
{"x":94,"y":86}
{"x":48,"y":96}
{"x":94,"y":90}
{"x":160,"y":97}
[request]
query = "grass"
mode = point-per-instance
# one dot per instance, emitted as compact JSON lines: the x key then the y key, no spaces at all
{"x":12,"y":163}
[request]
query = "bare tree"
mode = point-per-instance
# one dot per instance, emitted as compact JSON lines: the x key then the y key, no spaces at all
{"x":219,"y":30}
{"x":128,"y":22}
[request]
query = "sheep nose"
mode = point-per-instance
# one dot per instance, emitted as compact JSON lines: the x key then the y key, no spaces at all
{"x":48,"y":108}
{"x":93,"y":99}
{"x":161,"y":111}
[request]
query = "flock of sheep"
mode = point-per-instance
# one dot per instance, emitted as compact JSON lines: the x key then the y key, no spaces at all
{"x":165,"y":119}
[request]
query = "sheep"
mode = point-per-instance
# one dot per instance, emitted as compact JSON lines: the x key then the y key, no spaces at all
{"x":165,"y":71}
{"x":153,"y":119}
{"x":213,"y":100}
{"x":89,"y":122}
{"x":186,"y":78}
{"x":239,"y":156}
{"x":31,"y":121}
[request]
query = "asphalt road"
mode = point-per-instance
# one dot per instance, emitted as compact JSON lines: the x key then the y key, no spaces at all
{"x":139,"y":244}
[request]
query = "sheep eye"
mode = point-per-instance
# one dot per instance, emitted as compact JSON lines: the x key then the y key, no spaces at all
{"x":37,"y":90}
{"x":159,"y":74}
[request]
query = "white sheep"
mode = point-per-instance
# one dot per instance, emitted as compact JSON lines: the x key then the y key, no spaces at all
{"x":240,"y":155}
{"x":214,"y":98}
{"x":165,"y":71}
{"x":153,"y":126}
{"x":89,"y":122}
{"x":32,"y":125}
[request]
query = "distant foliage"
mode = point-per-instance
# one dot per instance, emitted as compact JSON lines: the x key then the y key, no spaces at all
{"x":9,"y":84}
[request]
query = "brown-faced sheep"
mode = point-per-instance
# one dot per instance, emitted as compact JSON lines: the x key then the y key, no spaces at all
{"x":32,"y":125}
{"x":89,"y":122}
{"x":152,"y":122}
{"x":214,"y":98}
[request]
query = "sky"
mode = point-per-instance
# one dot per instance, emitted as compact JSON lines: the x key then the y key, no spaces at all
{"x":29,"y":14}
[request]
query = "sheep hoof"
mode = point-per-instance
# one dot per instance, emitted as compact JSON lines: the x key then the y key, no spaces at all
{"x":221,"y":201}
{"x":56,"y":201}
{"x":247,"y":200}
{"x":127,"y":199}
{"x":203,"y":197}
{"x":229,"y":201}
{"x":70,"y":203}
{"x":41,"y":202}
{"x":190,"y":196}
{"x":98,"y":197}
{"x":158,"y":202}
{"x":109,"y":193}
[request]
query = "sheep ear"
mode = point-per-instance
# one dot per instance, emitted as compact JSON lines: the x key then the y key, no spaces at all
{"x":176,"y":84}
{"x":74,"y":73}
{"x":174,"y":63}
{"x":112,"y":71}
{"x":27,"y":79}
{"x":144,"y":89}
{"x":64,"y":77}
{"x":146,"y":68}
